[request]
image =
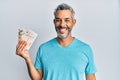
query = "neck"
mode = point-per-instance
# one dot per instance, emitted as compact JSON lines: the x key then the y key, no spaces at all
{"x":66,"y":41}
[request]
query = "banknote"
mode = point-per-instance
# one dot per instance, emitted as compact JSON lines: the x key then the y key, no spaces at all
{"x":28,"y":35}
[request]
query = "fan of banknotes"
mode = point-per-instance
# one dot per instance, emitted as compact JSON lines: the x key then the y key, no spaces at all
{"x":27,"y":35}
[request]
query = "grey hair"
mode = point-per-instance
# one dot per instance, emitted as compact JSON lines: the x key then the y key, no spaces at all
{"x":64,"y":6}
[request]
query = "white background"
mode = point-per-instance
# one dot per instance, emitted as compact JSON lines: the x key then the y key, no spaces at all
{"x":98,"y":24}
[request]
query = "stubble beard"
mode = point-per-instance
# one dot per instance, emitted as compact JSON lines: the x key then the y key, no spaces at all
{"x":66,"y":34}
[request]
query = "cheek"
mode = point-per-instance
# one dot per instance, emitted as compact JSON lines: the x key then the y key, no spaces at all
{"x":70,"y":26}
{"x":56,"y":24}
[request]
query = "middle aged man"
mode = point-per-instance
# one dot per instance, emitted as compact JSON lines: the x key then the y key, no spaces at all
{"x":61,"y":58}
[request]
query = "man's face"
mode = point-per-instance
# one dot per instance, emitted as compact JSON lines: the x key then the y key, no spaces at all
{"x":63,"y":23}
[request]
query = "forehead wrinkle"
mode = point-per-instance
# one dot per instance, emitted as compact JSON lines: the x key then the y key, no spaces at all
{"x":63,"y":18}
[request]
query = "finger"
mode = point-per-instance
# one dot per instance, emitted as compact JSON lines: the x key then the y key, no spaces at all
{"x":20,"y":47}
{"x":21,"y":51}
{"x":23,"y":46}
{"x":20,"y":41}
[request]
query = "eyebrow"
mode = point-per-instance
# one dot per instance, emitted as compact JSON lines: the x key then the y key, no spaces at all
{"x":67,"y":18}
{"x":59,"y":18}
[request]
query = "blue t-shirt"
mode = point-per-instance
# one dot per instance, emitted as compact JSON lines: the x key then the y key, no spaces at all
{"x":65,"y":63}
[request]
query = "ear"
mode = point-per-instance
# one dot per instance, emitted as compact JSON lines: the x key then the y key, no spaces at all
{"x":74,"y":22}
{"x":54,"y":21}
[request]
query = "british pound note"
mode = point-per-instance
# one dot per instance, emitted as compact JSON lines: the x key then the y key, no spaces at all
{"x":27,"y":35}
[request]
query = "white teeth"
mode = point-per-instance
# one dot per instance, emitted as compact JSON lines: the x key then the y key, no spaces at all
{"x":62,"y":30}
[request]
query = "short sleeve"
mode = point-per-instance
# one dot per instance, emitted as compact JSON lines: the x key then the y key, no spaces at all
{"x":90,"y":68}
{"x":38,"y":62}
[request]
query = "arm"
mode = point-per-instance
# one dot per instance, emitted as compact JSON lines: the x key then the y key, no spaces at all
{"x":90,"y":69}
{"x":20,"y":50}
{"x":90,"y":77}
{"x":34,"y":74}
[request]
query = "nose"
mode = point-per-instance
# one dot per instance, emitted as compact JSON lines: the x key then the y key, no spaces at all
{"x":63,"y":24}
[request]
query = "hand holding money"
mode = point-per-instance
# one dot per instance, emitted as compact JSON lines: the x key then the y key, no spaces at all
{"x":26,"y":38}
{"x":21,"y":49}
{"x":28,"y":35}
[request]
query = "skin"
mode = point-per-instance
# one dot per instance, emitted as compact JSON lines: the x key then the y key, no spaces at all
{"x":22,"y":52}
{"x":64,"y":19}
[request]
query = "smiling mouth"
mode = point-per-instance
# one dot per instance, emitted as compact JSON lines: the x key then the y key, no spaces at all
{"x":62,"y":30}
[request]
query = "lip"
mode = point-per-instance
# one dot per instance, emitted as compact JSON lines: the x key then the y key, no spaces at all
{"x":62,"y":30}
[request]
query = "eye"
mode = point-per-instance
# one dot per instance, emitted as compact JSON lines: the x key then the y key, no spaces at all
{"x":67,"y":20}
{"x":57,"y":20}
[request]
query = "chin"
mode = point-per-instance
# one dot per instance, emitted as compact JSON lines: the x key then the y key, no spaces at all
{"x":62,"y":37}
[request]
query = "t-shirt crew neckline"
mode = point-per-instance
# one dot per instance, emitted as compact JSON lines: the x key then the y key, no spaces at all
{"x":65,"y":46}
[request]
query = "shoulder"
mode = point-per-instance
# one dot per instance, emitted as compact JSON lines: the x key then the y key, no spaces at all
{"x":85,"y":47}
{"x":48,"y":43}
{"x":80,"y":43}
